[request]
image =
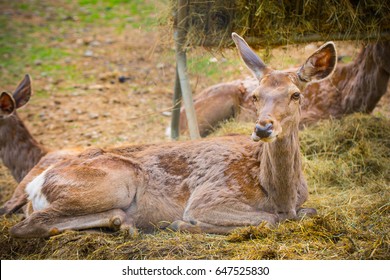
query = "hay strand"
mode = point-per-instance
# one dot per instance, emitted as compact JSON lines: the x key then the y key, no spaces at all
{"x":270,"y":22}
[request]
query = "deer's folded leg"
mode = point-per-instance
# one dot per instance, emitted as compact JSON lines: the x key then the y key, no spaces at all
{"x":46,"y":223}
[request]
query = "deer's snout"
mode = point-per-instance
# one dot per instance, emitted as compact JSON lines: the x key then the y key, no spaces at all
{"x":263,"y":130}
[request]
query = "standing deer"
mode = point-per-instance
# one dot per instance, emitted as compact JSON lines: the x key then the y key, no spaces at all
{"x":19,"y":151}
{"x":354,"y":87}
{"x":211,"y":185}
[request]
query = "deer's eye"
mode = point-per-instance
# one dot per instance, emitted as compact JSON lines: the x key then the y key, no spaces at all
{"x":296,"y":95}
{"x":254,"y":98}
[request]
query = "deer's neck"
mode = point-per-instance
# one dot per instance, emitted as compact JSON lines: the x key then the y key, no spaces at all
{"x":367,"y":78}
{"x":19,"y":151}
{"x":281,"y":173}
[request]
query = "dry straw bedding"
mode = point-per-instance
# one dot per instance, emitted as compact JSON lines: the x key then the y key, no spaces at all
{"x":271,"y":22}
{"x":347,"y":165}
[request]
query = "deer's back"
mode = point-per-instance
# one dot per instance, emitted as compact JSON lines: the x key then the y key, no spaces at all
{"x":195,"y":162}
{"x":202,"y":172}
{"x":152,"y":183}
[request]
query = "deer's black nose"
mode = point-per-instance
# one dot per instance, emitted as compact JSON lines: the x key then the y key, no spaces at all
{"x":263,"y":131}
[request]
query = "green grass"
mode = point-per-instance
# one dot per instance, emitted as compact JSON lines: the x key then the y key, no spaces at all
{"x":213,"y":67}
{"x":136,"y":12}
{"x":22,"y":47}
{"x":39,"y":45}
{"x":202,"y":65}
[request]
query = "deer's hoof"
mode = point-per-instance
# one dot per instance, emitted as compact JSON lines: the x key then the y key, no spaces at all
{"x":306,"y":212}
{"x":133,"y":232}
{"x":129,"y":230}
{"x":115,"y":222}
{"x":176,"y":225}
{"x":54,"y":231}
{"x":182,"y":226}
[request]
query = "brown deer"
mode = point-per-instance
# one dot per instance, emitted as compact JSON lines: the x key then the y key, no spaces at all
{"x":354,"y":87}
{"x":19,"y":151}
{"x":210,"y":185}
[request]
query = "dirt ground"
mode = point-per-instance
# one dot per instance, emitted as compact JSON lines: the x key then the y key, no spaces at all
{"x":123,"y":88}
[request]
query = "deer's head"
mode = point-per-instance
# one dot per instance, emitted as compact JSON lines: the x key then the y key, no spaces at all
{"x":10,"y":102}
{"x":278,"y":97}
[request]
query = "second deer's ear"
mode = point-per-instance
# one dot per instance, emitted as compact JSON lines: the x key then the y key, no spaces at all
{"x":320,"y":65}
{"x":250,"y":58}
{"x":22,"y":93}
{"x":7,"y":104}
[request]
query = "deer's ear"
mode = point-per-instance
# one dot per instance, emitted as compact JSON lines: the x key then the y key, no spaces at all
{"x":250,"y":58}
{"x":7,"y":104}
{"x":320,"y":65}
{"x":22,"y":93}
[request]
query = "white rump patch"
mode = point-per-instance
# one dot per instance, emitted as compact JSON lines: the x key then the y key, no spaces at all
{"x":34,"y":191}
{"x":168,"y":132}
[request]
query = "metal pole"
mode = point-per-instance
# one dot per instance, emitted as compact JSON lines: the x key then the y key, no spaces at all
{"x":175,"y":121}
{"x":181,"y":61}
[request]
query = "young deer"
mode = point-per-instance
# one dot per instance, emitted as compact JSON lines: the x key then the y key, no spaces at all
{"x":19,"y":151}
{"x":211,"y":185}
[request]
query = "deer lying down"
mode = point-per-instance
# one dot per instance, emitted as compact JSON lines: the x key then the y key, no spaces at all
{"x":354,"y":87}
{"x":19,"y":151}
{"x":211,"y":185}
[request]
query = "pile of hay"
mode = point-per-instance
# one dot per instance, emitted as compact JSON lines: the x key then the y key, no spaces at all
{"x":347,"y":165}
{"x":271,"y":22}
